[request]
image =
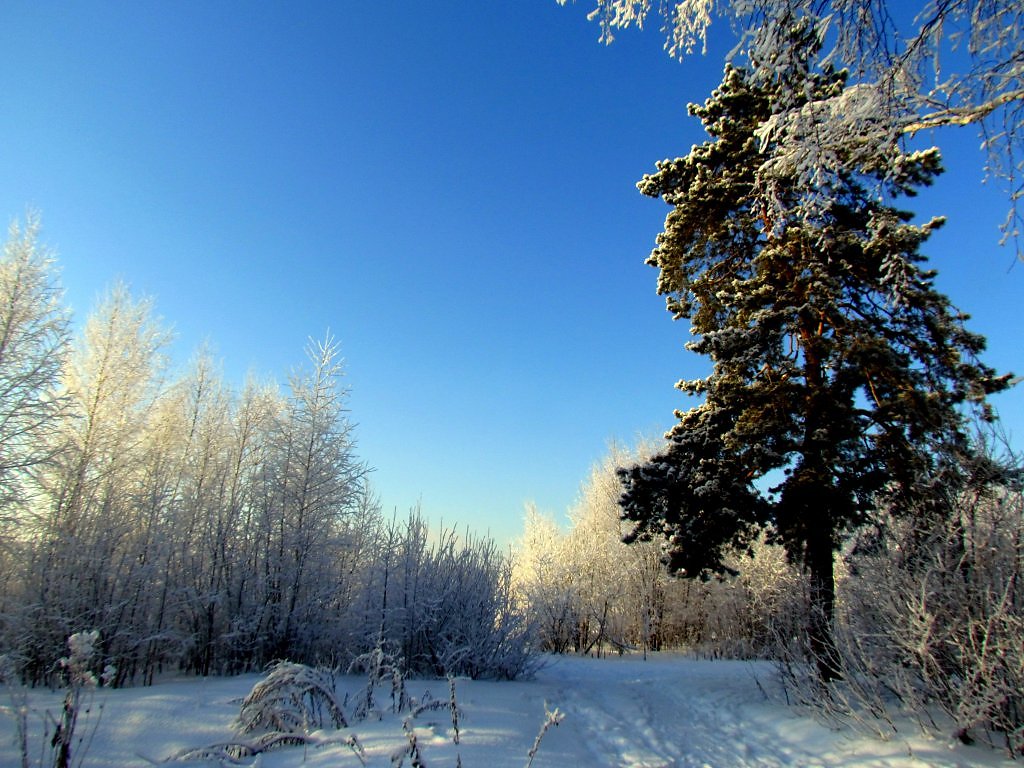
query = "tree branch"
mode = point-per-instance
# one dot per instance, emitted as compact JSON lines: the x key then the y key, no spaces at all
{"x":964,"y":115}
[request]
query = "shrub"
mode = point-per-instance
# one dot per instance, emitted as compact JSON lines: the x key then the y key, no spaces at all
{"x":293,"y":698}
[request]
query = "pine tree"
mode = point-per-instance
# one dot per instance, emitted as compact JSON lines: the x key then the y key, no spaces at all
{"x":917,"y":65}
{"x":837,"y":365}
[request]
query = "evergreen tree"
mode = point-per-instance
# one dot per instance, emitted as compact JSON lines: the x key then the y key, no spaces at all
{"x":837,"y":365}
{"x":916,"y":64}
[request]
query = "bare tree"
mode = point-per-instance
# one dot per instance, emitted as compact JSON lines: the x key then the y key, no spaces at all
{"x":317,"y":481}
{"x":85,"y":517}
{"x":33,"y":344}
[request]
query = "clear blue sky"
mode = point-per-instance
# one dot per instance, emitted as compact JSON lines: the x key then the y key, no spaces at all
{"x":447,"y":186}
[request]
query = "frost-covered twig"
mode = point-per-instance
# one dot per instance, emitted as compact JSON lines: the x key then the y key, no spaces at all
{"x":76,"y":666}
{"x":551,"y":718}
{"x":455,"y":710}
{"x":233,"y":752}
{"x":412,"y":750}
{"x":380,"y":662}
{"x":65,"y":748}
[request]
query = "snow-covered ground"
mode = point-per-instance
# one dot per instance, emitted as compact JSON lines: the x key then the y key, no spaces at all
{"x":666,"y":711}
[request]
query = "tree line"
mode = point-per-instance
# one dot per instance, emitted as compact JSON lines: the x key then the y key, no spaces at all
{"x":204,"y":529}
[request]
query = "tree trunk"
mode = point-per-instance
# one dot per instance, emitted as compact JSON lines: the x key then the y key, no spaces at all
{"x":819,"y":561}
{"x":809,"y":507}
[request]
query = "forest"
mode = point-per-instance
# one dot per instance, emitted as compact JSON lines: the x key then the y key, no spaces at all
{"x":200,"y":530}
{"x":207,"y":530}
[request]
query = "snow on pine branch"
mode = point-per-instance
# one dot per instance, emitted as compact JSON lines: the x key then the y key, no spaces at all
{"x":940,"y":64}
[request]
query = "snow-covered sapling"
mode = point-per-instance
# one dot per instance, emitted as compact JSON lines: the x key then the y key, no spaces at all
{"x":292,"y":699}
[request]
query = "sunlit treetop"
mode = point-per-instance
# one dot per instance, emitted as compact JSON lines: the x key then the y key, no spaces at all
{"x":914,"y":68}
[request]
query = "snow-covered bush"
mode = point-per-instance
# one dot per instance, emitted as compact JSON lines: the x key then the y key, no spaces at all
{"x":930,"y":617}
{"x":297,"y":705}
{"x":937,"y":615}
{"x":284,"y":709}
{"x":446,"y":606}
{"x":473,"y":626}
{"x":380,"y":664}
{"x":293,"y":698}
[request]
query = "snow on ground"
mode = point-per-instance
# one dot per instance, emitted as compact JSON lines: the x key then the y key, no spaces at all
{"x":669,"y":710}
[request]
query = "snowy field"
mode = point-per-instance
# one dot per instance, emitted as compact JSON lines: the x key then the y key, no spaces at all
{"x":667,"y":711}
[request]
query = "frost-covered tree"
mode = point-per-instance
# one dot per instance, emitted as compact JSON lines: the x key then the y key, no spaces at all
{"x":191,"y":492}
{"x":915,"y":66}
{"x":545,"y":576}
{"x":84,"y":523}
{"x":622,"y":589}
{"x":207,"y":530}
{"x":33,"y":343}
{"x":312,"y":484}
{"x":587,"y":590}
{"x":837,"y":367}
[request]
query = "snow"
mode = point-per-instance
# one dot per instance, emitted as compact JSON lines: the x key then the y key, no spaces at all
{"x":670,"y":710}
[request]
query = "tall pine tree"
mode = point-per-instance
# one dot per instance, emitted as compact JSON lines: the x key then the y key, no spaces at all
{"x":837,"y":366}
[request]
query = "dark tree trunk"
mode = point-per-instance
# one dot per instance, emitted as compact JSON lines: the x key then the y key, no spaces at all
{"x":819,"y":561}
{"x":808,"y":511}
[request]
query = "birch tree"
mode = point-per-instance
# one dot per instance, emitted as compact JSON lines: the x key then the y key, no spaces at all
{"x":196,"y":528}
{"x":33,"y":344}
{"x":317,"y":484}
{"x":545,"y":579}
{"x":84,"y":528}
{"x":622,"y":588}
{"x":586,"y":589}
{"x":191,"y":454}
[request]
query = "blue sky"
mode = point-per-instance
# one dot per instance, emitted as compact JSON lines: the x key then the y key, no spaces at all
{"x":448,"y":187}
